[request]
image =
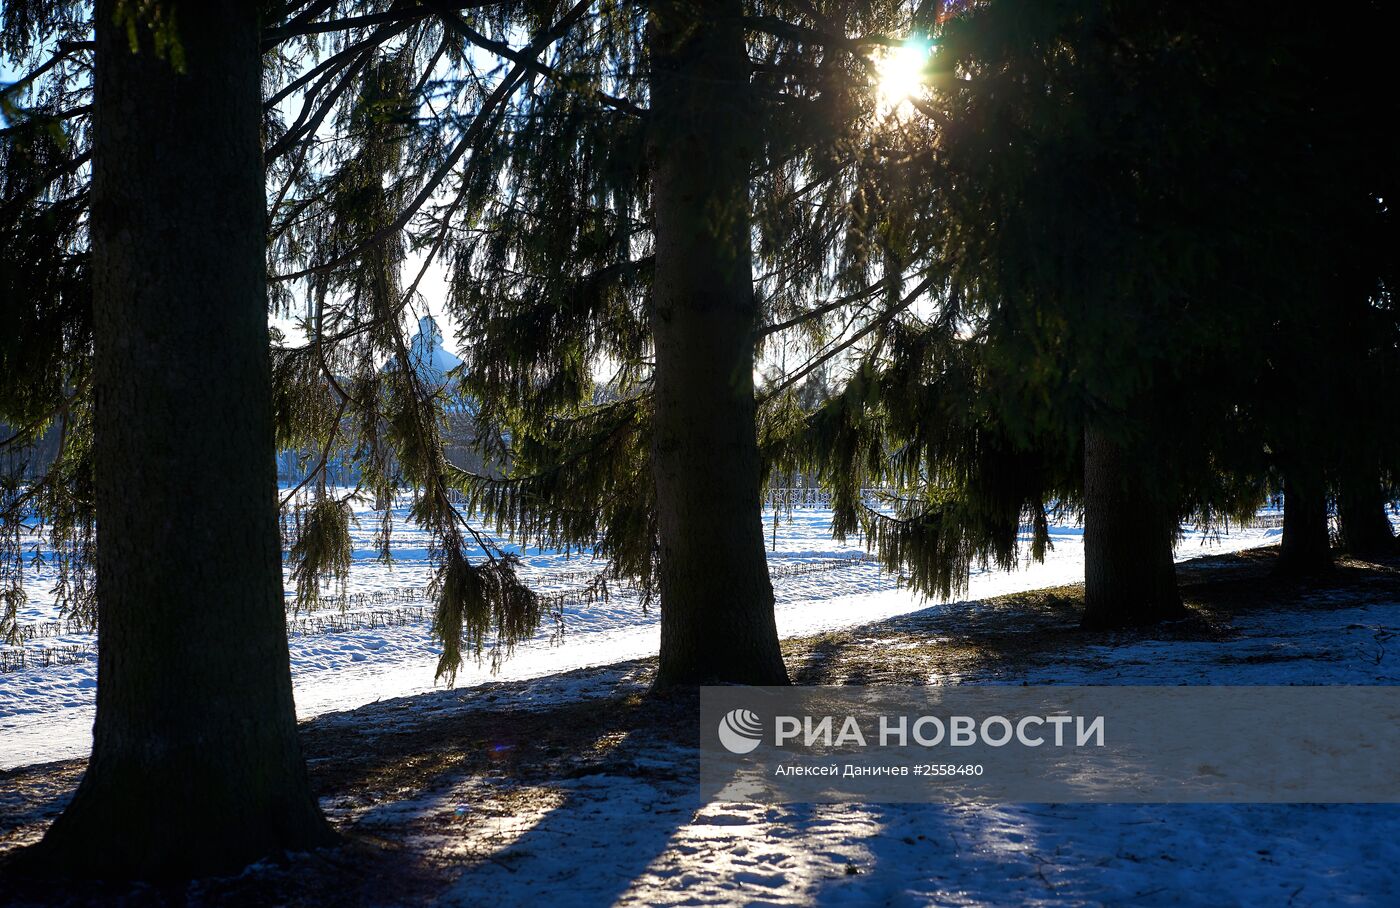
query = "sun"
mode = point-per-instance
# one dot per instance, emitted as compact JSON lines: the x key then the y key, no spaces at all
{"x":900,"y":73}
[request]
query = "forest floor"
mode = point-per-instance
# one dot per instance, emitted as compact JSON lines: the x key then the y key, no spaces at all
{"x":580,"y":788}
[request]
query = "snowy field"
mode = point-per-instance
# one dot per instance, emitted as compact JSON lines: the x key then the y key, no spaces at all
{"x":46,"y":712}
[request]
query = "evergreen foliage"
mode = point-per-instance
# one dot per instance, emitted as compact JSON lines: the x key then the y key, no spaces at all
{"x":432,"y":129}
{"x":1148,"y":226}
{"x":1096,"y":213}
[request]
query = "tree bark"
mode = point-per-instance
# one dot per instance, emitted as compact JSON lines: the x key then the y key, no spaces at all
{"x":717,"y":620}
{"x":1365,"y":525}
{"x":196,"y":766}
{"x":1306,"y":548}
{"x":1129,"y":535}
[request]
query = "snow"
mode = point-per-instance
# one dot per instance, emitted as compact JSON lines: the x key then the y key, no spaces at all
{"x":637,"y":831}
{"x":665,"y":848}
{"x":46,"y":712}
{"x":648,"y":838}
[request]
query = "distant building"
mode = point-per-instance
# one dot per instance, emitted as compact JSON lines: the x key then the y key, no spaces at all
{"x":434,"y":364}
{"x":430,"y":359}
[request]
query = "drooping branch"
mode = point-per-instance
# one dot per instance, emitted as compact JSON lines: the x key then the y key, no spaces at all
{"x":821,"y":359}
{"x":504,"y":88}
{"x":26,"y":432}
{"x":401,"y":14}
{"x":826,"y":308}
{"x":338,"y":60}
{"x":531,"y":62}
{"x":62,"y":51}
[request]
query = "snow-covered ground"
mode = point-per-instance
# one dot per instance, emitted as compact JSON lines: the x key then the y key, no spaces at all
{"x":637,"y":832}
{"x":674,"y":850}
{"x":631,"y":827}
{"x":46,"y":712}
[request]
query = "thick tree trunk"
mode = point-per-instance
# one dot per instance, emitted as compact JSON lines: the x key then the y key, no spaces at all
{"x":716,"y":598}
{"x":1306,"y":548}
{"x":196,"y":765}
{"x":1365,"y":526}
{"x":1129,"y":535}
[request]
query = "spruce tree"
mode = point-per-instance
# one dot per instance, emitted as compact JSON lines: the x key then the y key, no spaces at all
{"x":526,"y":165}
{"x":1325,"y":408}
{"x":666,"y":152}
{"x":716,"y":598}
{"x":605,"y":208}
{"x":1115,"y":194}
{"x":1077,"y":283}
{"x":196,"y":765}
{"x":134,"y":175}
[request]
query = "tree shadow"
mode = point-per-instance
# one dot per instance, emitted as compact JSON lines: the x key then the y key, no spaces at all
{"x":817,"y":664}
{"x":928,"y":854}
{"x":35,"y":794}
{"x":537,"y":784}
{"x":1121,"y":854}
{"x":621,"y":806}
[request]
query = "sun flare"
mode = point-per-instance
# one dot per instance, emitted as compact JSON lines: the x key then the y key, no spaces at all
{"x":900,"y":73}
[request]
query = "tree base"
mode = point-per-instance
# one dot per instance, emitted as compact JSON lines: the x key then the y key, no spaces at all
{"x":1129,"y":537}
{"x":1111,"y":614}
{"x":167,"y":835}
{"x":1306,"y":548}
{"x":1366,"y":527}
{"x":769,"y":676}
{"x":724,"y":659}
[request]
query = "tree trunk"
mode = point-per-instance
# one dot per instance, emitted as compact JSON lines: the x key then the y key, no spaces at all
{"x":716,"y":598}
{"x":196,"y":765}
{"x":1129,"y":535}
{"x":1365,"y":525}
{"x":1306,"y":548}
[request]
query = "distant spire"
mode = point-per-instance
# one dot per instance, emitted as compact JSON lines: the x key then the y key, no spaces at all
{"x":430,"y":359}
{"x":428,"y":328}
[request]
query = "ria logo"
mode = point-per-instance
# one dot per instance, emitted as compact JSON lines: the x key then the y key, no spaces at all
{"x":740,"y":731}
